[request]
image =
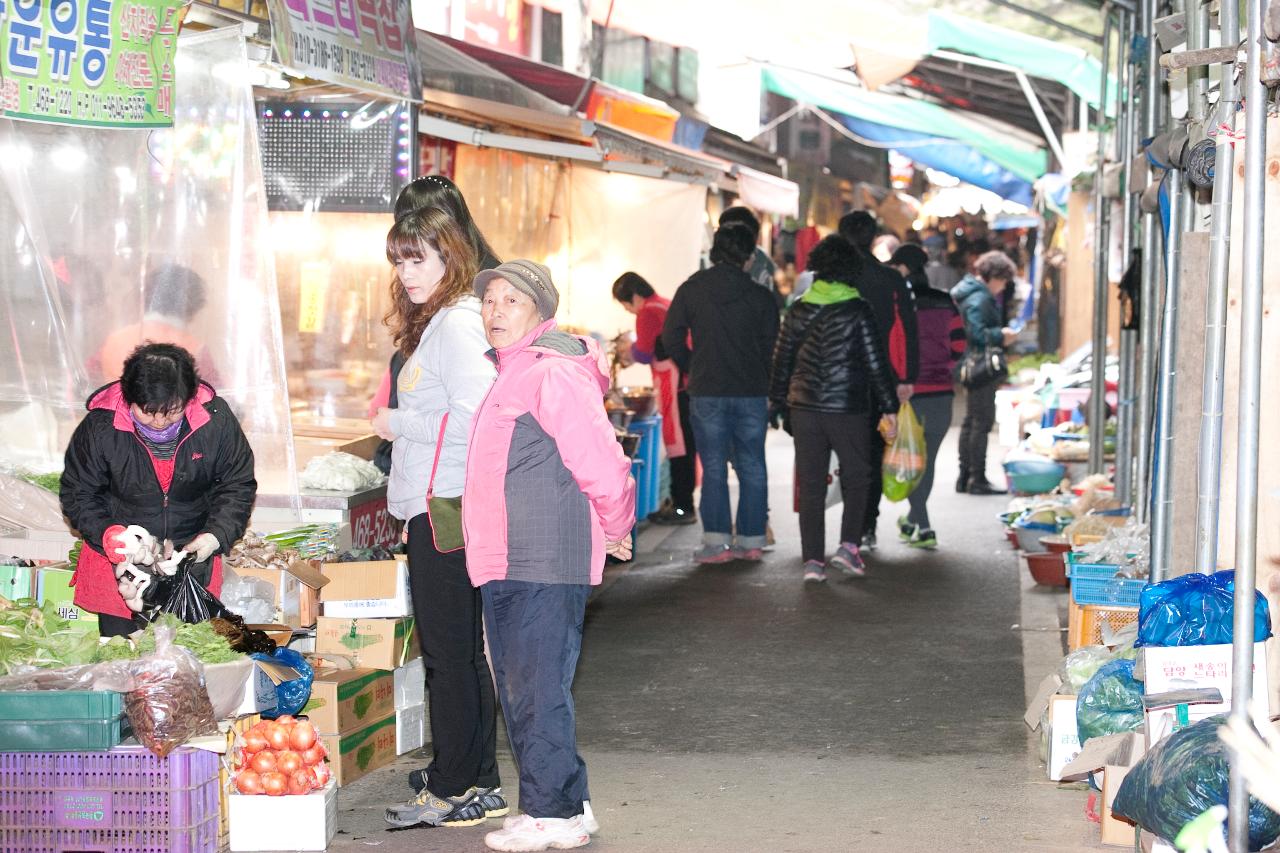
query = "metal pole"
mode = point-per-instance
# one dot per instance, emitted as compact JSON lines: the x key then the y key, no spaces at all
{"x":1098,"y":383}
{"x":1149,"y":308}
{"x":1209,"y":457}
{"x":1252,"y":260}
{"x":1162,"y":490}
{"x":1197,"y":76}
{"x":1128,"y":339}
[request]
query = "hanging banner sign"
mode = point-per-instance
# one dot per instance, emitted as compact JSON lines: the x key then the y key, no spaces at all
{"x":102,"y":63}
{"x":369,"y":45}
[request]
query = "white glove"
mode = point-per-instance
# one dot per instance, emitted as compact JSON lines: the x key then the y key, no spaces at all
{"x":203,"y":546}
{"x":137,"y":545}
{"x":169,"y":567}
{"x":132,"y":582}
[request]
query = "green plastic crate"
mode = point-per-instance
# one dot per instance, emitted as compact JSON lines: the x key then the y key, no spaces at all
{"x":60,"y":720}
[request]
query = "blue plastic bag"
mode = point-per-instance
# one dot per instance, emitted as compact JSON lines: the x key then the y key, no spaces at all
{"x":1182,"y":776}
{"x":291,"y":696}
{"x":1195,"y":610}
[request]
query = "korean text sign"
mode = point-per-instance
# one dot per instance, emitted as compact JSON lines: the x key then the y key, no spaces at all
{"x":103,"y":63}
{"x":367,"y":45}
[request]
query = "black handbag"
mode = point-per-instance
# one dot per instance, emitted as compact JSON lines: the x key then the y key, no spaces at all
{"x":983,"y":367}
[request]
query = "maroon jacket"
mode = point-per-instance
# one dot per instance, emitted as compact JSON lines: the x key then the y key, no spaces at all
{"x":940,"y":332}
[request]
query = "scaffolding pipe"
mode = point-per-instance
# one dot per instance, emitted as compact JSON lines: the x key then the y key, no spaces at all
{"x":1197,"y":76}
{"x":1098,"y":381}
{"x":1149,"y":306}
{"x":1209,"y":456}
{"x":1250,"y":389}
{"x":1128,"y":342}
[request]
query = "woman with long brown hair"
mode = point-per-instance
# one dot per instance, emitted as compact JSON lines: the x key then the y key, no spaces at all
{"x":436,"y":325}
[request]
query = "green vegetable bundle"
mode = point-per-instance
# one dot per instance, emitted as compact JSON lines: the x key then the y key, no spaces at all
{"x":205,"y":643}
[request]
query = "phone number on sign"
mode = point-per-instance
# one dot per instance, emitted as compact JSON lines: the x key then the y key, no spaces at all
{"x":372,"y":524}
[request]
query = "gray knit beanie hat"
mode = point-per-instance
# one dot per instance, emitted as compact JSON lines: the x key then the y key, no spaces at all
{"x":529,"y":277}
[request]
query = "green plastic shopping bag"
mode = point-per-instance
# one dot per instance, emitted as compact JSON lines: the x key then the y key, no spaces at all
{"x":905,"y":457}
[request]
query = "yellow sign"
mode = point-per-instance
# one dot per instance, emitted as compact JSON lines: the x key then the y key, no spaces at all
{"x":313,"y":292}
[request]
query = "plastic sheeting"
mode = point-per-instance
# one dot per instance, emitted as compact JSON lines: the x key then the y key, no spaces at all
{"x":588,"y":226}
{"x":89,"y":214}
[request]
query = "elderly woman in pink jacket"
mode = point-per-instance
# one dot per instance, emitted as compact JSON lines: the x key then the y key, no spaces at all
{"x":548,"y":494}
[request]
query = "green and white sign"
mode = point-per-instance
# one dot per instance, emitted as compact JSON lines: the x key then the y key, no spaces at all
{"x":102,"y":63}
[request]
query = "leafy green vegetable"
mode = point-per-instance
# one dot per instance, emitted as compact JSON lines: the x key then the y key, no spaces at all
{"x":73,"y":556}
{"x":51,"y":482}
{"x":34,"y":635}
{"x":117,"y":648}
{"x":205,"y":643}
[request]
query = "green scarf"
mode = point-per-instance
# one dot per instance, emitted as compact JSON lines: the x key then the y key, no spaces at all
{"x":830,"y":292}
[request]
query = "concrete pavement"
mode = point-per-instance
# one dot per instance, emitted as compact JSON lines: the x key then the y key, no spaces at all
{"x":733,"y":708}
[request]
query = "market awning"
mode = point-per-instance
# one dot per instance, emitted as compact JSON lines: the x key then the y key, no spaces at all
{"x":928,"y":133}
{"x":766,"y":193}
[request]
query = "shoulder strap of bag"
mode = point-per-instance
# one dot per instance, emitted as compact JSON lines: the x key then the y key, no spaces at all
{"x":431,"y":486}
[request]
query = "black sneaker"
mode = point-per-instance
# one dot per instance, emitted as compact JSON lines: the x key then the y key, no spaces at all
{"x":982,"y":487}
{"x":672,"y":515}
{"x":869,"y":541}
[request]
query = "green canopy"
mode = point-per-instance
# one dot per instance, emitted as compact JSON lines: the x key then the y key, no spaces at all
{"x":1026,"y":161}
{"x":1037,"y":57}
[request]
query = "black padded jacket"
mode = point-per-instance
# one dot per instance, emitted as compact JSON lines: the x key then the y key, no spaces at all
{"x":829,"y":358}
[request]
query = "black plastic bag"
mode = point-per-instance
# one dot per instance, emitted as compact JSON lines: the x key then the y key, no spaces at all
{"x":184,"y":596}
{"x":1181,"y":777}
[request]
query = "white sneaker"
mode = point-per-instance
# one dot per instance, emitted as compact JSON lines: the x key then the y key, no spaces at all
{"x":526,"y":833}
{"x":589,"y":818}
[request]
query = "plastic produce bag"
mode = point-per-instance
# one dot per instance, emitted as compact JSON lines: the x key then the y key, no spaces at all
{"x":1080,"y":666}
{"x":291,"y":696}
{"x":1181,"y":777}
{"x":1111,"y":702}
{"x":337,"y":471}
{"x":168,"y":704}
{"x":1196,"y":610}
{"x":183,"y":596}
{"x":905,"y":457}
{"x":252,"y":599}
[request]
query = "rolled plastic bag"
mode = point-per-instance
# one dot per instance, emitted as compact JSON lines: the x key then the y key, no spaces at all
{"x":905,"y":457}
{"x":1196,"y":610}
{"x":1180,"y":778}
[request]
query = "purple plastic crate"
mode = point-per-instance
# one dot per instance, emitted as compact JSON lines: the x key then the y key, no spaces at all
{"x":121,"y":801}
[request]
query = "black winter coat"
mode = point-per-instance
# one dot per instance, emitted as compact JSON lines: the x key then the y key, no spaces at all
{"x":109,"y":479}
{"x":829,"y":358}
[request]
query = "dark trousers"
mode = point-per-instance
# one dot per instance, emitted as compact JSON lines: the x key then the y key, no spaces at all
{"x":447,"y":612}
{"x":816,"y":435}
{"x":684,"y":469}
{"x":979,"y":417}
{"x":118,"y":626}
{"x":535,"y":637}
{"x":875,"y":476}
{"x":934,"y":413}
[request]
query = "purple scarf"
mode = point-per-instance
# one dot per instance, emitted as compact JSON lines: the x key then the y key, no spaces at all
{"x":158,"y":436}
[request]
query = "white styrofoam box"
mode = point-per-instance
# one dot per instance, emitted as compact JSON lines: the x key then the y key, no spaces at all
{"x":1064,"y":735}
{"x":410,"y":684}
{"x":299,"y":822}
{"x":1183,"y":667}
{"x":411,"y":728}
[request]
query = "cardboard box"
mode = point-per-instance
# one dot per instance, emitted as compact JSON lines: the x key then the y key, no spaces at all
{"x":1064,"y":737}
{"x":1151,"y":843}
{"x":346,"y":699}
{"x":357,"y":753}
{"x":245,"y":686}
{"x":375,"y":643}
{"x":411,"y":728}
{"x":297,"y":591}
{"x":410,"y":684}
{"x":299,"y":822}
{"x":1116,"y":832}
{"x":17,"y":582}
{"x":1181,"y":667}
{"x":378,"y":589}
{"x":55,"y":585}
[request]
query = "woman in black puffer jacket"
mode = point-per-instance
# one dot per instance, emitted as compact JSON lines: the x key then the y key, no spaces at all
{"x":831,"y":376}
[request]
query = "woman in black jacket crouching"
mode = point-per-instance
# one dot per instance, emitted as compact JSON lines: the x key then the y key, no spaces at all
{"x":831,"y":376}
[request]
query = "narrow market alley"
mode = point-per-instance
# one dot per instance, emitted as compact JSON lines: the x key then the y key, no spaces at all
{"x":733,"y":708}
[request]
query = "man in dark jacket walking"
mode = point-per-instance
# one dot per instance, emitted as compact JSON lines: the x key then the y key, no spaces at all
{"x":975,"y":297}
{"x":891,"y":302}
{"x":733,"y":323}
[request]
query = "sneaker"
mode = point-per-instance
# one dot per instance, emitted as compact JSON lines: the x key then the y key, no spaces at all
{"x":869,"y":541}
{"x":671,"y":515}
{"x":753,"y":555}
{"x":906,"y":529}
{"x":983,"y":487}
{"x":491,"y":799}
{"x":589,"y":818}
{"x":527,"y":833}
{"x":848,"y":560}
{"x":715,"y":554}
{"x":427,"y":808}
{"x":814,"y":571}
{"x":924,"y":538}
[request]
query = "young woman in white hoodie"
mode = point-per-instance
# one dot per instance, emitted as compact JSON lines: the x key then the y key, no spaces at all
{"x":436,"y":325}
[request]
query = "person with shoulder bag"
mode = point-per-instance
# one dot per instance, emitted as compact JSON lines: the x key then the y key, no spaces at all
{"x":983,"y":367}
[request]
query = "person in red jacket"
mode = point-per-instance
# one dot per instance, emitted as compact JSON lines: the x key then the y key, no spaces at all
{"x":640,"y":299}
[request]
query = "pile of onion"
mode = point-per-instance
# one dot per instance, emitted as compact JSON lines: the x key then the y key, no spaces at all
{"x":278,"y":757}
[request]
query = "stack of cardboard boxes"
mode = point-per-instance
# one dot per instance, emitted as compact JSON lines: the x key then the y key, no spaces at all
{"x":369,"y":696}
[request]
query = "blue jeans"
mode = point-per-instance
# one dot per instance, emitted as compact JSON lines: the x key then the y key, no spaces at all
{"x":535,"y":637}
{"x":732,"y":429}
